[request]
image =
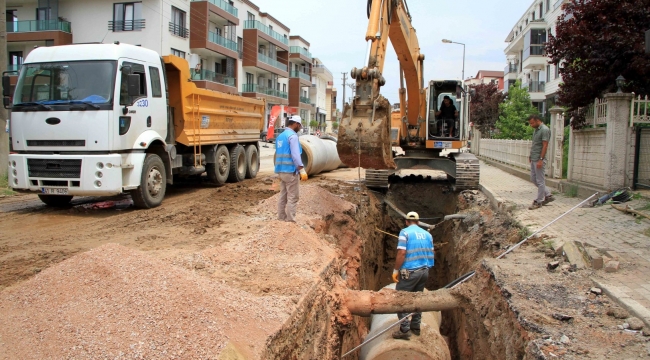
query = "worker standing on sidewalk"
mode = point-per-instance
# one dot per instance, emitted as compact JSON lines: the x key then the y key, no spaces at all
{"x":289,"y":166}
{"x":412,"y":264}
{"x":537,"y":160}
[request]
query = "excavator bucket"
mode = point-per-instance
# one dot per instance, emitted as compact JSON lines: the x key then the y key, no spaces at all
{"x":365,"y":141}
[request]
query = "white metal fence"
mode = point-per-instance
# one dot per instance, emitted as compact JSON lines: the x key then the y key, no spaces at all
{"x":511,"y":152}
{"x":640,"y":111}
{"x":596,"y":113}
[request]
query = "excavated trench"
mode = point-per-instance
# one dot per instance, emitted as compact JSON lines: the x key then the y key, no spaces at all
{"x":485,"y":326}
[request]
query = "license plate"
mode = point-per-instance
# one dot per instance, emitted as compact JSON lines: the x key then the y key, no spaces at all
{"x":442,"y":144}
{"x":55,"y":191}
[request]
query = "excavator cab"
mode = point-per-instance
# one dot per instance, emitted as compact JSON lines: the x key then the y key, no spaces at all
{"x":441,"y":125}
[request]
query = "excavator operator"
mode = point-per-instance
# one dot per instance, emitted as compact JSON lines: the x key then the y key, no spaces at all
{"x":448,"y":113}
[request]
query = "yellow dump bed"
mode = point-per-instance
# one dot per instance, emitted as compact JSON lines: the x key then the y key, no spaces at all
{"x":206,"y":117}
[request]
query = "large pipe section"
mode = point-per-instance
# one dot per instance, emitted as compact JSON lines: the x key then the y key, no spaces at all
{"x":430,"y":345}
{"x":319,"y":155}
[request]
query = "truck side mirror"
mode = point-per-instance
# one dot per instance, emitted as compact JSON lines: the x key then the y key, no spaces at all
{"x":6,"y":86}
{"x":133,"y":81}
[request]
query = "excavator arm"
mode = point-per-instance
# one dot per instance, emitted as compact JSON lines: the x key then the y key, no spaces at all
{"x":365,"y":130}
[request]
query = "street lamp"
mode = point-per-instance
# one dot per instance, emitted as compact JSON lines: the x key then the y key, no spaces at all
{"x":620,"y":82}
{"x":446,"y":41}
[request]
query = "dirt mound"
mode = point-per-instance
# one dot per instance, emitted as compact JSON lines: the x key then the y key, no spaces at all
{"x":115,"y":302}
{"x":314,"y":202}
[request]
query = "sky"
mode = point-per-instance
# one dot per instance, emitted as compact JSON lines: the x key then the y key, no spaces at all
{"x":336,"y":30}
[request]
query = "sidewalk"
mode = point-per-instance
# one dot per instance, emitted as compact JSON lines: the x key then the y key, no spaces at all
{"x":602,"y":227}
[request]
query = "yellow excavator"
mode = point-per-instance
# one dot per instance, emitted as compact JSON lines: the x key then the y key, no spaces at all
{"x":369,"y":129}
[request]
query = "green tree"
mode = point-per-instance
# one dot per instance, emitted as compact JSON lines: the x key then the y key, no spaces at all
{"x":313,"y":124}
{"x":515,"y":110}
{"x":335,"y":125}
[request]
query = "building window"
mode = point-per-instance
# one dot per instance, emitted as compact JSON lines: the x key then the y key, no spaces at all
{"x":178,"y":25}
{"x":155,"y":82}
{"x":44,"y":13}
{"x":251,"y":17}
{"x":548,"y":5}
{"x":541,"y":10}
{"x":284,"y":87}
{"x":557,"y":71}
{"x":240,"y":47}
{"x":250,"y":78}
{"x":180,"y":54}
{"x":127,"y":17}
{"x":548,"y":73}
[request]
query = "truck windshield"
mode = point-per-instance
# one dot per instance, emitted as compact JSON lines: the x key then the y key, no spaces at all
{"x":59,"y":83}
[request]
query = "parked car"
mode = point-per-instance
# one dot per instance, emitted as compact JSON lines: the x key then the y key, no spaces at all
{"x":263,"y":136}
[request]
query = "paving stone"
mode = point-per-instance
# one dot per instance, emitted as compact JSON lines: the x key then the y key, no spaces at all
{"x":612,"y":266}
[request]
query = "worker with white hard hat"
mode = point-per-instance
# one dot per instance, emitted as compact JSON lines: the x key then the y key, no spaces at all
{"x":289,"y":166}
{"x":412,"y":263}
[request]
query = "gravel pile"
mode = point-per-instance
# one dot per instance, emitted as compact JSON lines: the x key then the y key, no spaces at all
{"x":113,"y":302}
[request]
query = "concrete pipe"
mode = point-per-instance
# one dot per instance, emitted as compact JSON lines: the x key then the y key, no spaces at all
{"x":319,"y":155}
{"x":430,"y":345}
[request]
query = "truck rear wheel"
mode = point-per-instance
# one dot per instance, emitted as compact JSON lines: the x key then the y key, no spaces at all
{"x":237,"y":164}
{"x":153,"y":183}
{"x":219,"y":171}
{"x":252,"y":162}
{"x":55,"y":200}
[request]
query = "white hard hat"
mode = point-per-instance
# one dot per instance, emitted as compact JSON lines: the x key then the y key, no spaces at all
{"x":297,"y":119}
{"x":413,"y":216}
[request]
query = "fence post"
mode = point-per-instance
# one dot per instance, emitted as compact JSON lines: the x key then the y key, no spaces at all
{"x":616,"y":139}
{"x":557,"y":141}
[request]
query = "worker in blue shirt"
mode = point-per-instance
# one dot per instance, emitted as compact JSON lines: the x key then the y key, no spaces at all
{"x":288,"y":165}
{"x":412,"y":264}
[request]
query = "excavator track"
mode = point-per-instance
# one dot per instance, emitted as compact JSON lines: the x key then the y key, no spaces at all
{"x":378,"y":179}
{"x":467,"y":171}
{"x":360,"y":131}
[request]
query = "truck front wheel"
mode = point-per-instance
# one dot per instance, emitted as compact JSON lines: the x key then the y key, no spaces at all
{"x":153,"y":183}
{"x":55,"y":200}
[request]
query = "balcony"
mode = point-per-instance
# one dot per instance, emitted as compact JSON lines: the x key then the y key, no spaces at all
{"x":209,"y":75}
{"x":220,"y":40}
{"x":299,"y":50}
{"x":13,"y":67}
{"x":267,"y":60}
{"x":305,"y":100}
{"x":510,"y":68}
{"x":300,"y":74}
{"x":254,"y":24}
{"x":179,"y":30}
{"x":126,"y":25}
{"x":38,"y":25}
{"x":254,"y":88}
{"x":535,"y":56}
{"x":223,"y":5}
{"x":321,"y":70}
{"x":534,"y":86}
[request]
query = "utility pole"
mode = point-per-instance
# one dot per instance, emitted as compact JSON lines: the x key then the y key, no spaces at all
{"x":345,"y":78}
{"x":4,"y":136}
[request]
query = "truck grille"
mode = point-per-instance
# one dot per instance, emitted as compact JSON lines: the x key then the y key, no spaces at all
{"x":56,"y":142}
{"x":54,"y":168}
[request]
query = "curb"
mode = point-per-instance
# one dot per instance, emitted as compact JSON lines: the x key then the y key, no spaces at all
{"x":498,"y":203}
{"x":520,"y":173}
{"x":626,"y":302}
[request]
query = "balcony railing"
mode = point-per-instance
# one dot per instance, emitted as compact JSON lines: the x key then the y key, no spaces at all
{"x":13,"y":67}
{"x":220,"y":40}
{"x":178,"y":30}
{"x":254,"y":88}
{"x":254,"y":24}
{"x":267,"y":60}
{"x":224,"y":5}
{"x":305,"y":100}
{"x":209,"y":75}
{"x":534,"y":86}
{"x":300,"y":74}
{"x":299,"y":50}
{"x":126,"y":25}
{"x":511,"y":68}
{"x":535,"y":50}
{"x":38,"y":25}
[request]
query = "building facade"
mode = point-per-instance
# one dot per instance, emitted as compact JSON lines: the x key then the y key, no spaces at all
{"x":486,"y":77}
{"x":230,"y":45}
{"x":526,"y":56}
{"x":320,"y":92}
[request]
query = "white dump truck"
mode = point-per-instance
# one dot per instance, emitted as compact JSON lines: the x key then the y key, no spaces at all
{"x":104,"y":119}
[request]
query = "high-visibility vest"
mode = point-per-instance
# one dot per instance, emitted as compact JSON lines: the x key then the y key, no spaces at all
{"x":419,"y":247}
{"x":283,"y":160}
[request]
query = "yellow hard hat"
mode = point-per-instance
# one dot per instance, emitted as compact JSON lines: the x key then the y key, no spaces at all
{"x":413,"y":216}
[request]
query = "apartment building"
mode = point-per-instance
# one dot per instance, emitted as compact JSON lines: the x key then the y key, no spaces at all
{"x":320,"y":92}
{"x":526,"y":55}
{"x":486,"y":77}
{"x":231,"y":45}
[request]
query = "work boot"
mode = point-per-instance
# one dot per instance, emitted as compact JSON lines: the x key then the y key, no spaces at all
{"x":415,"y":332}
{"x":548,"y":199}
{"x":402,"y":335}
{"x":535,"y":205}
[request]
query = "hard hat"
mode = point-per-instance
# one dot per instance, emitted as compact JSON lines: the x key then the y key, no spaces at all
{"x":297,"y":119}
{"x":413,"y":216}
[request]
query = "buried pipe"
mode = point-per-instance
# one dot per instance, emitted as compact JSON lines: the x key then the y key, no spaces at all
{"x":366,"y":303}
{"x":422,"y":224}
{"x":379,"y":344}
{"x":319,"y":155}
